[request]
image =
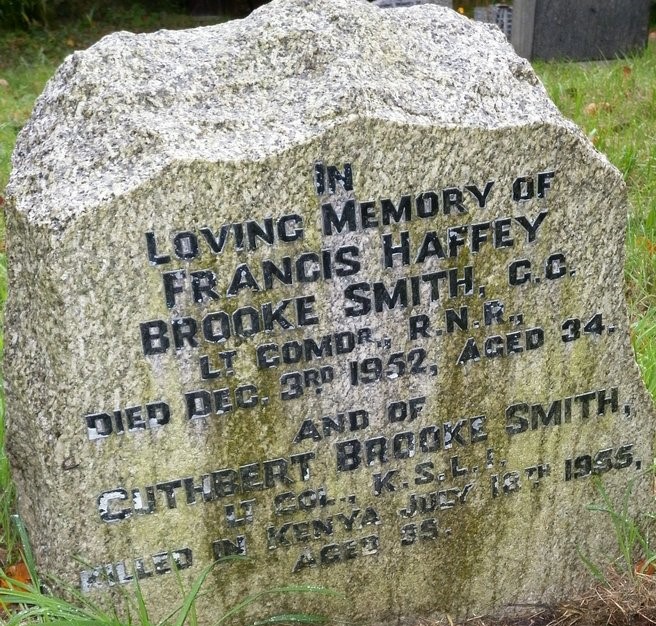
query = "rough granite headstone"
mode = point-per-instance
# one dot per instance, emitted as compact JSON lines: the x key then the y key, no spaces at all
{"x":579,"y":30}
{"x":333,"y":287}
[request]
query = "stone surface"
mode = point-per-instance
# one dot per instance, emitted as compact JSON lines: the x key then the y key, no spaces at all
{"x":582,"y":30}
{"x":454,"y":338}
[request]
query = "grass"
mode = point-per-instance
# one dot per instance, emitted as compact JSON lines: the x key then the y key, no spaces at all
{"x":614,"y":103}
{"x":38,"y":608}
{"x":626,"y":591}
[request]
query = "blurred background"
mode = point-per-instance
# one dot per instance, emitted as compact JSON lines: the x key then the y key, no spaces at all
{"x":31,"y":13}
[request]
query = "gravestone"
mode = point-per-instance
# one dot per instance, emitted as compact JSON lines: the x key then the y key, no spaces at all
{"x":347,"y":303}
{"x":385,"y":4}
{"x":580,"y":31}
{"x":499,"y":14}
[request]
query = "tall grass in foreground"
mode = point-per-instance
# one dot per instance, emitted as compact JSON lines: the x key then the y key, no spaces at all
{"x":30,"y":606}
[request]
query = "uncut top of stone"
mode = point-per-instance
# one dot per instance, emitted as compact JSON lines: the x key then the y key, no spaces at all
{"x":115,"y":115}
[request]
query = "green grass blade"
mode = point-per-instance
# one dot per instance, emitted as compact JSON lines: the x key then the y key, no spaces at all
{"x":28,"y":555}
{"x":142,"y":611}
{"x":193,"y":617}
{"x":193,"y":593}
{"x":40,"y":608}
{"x":594,"y":569}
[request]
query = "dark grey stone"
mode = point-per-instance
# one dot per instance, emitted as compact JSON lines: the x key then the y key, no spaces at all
{"x":580,"y":30}
{"x":499,"y":14}
{"x":386,"y":4}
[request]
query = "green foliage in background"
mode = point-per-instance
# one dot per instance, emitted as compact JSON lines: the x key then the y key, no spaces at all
{"x":614,"y":102}
{"x":19,"y":13}
{"x":36,"y":14}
